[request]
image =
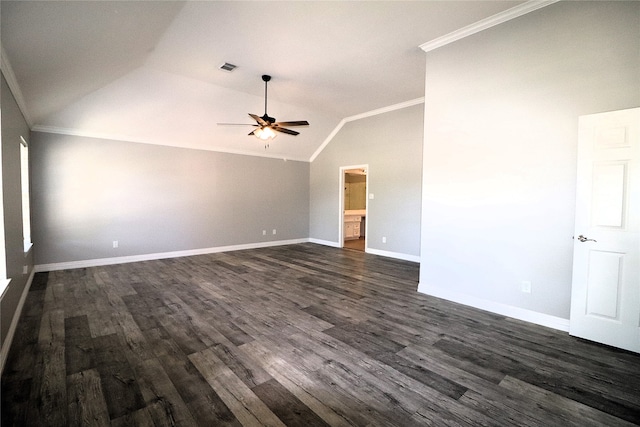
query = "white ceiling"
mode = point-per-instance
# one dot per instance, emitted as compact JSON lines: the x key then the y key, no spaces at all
{"x":147,"y":71}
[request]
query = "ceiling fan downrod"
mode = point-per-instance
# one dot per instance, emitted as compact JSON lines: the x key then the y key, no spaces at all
{"x":266,"y":78}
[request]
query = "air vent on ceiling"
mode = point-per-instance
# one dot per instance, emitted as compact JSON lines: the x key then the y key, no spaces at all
{"x":227,"y":67}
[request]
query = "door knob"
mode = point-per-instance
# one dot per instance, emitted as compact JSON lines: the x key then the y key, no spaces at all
{"x":584,"y":239}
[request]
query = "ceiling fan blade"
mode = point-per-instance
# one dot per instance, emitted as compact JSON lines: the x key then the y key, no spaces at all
{"x":259,"y":119}
{"x":283,"y":130}
{"x":253,"y":132}
{"x":236,"y":124}
{"x":295,"y":123}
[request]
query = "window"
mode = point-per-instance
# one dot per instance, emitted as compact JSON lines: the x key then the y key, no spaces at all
{"x":26,"y":210}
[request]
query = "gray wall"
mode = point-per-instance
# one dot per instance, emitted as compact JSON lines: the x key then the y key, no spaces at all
{"x":13,"y":126}
{"x":500,"y":147}
{"x":391,"y":144}
{"x":89,"y":192}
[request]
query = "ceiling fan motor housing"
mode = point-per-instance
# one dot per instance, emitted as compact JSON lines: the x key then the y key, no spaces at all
{"x":268,"y":118}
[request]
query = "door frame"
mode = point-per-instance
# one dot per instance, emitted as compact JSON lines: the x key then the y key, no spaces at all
{"x":343,"y":171}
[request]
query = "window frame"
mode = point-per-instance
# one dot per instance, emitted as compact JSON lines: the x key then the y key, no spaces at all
{"x":26,"y":194}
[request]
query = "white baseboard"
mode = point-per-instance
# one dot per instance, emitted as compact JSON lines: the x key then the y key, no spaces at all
{"x":162,"y":255}
{"x":396,"y":255}
{"x":495,"y":307}
{"x":4,"y":352}
{"x":191,"y":252}
{"x":387,"y":254}
{"x":325,"y":243}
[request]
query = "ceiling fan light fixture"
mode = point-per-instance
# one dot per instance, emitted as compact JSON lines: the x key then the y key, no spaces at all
{"x":264,"y":133}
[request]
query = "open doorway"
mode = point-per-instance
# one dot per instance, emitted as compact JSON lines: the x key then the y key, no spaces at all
{"x":354,"y":184}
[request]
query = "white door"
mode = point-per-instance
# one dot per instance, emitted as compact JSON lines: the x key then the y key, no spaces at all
{"x":605,"y":298}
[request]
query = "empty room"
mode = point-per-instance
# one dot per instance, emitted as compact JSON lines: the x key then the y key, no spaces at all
{"x":320,"y":213}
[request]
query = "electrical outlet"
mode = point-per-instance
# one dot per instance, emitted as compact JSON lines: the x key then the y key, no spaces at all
{"x":526,"y":286}
{"x":264,"y":232}
{"x":274,"y":231}
{"x":371,"y":196}
{"x":115,"y":244}
{"x":384,"y":240}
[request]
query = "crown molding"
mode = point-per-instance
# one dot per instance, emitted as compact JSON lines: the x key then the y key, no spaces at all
{"x":327,"y":140}
{"x":87,"y":134}
{"x":486,"y":23}
{"x":76,"y":132}
{"x":362,"y":116}
{"x":387,"y":109}
{"x":124,"y":138}
{"x":7,"y":71}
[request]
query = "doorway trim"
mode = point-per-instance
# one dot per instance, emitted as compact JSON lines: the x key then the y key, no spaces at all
{"x":343,"y":170}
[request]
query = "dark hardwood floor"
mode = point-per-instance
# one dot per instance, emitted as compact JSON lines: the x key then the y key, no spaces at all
{"x":300,"y":335}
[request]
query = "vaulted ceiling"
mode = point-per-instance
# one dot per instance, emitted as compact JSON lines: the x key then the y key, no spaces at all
{"x":148,"y":71}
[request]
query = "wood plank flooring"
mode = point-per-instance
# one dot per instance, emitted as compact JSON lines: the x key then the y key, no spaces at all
{"x":299,"y":335}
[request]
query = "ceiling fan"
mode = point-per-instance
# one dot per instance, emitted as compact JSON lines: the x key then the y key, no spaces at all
{"x":266,"y":125}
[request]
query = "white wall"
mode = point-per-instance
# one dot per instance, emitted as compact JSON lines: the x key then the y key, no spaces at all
{"x":499,"y":162}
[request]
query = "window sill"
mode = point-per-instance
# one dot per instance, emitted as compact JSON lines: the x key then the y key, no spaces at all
{"x":4,"y":285}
